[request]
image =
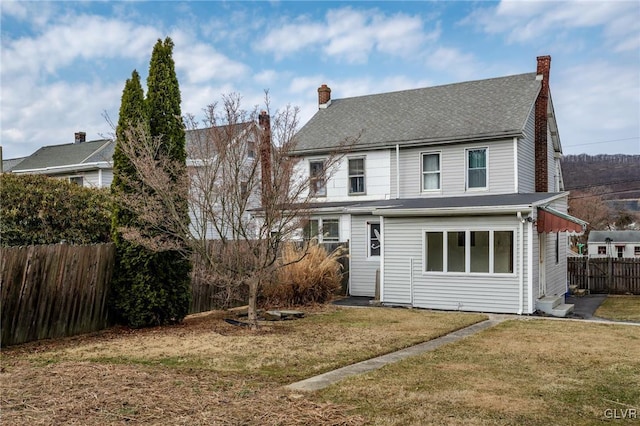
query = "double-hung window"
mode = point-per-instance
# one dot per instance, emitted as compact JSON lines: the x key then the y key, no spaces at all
{"x":356,"y":176}
{"x":431,"y":171}
{"x":477,"y":168}
{"x":323,"y":230}
{"x":317,"y":184}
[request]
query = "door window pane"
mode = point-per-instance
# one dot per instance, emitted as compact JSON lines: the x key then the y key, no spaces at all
{"x":374,"y":239}
{"x":330,"y":230}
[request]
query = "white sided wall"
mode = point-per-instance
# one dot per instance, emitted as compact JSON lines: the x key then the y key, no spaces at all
{"x":406,"y":282}
{"x":501,"y":170}
{"x":377,"y":177}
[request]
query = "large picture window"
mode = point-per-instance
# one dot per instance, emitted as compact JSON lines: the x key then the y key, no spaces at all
{"x":317,"y":185}
{"x":477,"y":251}
{"x":430,"y":171}
{"x":356,"y":176}
{"x":477,"y":168}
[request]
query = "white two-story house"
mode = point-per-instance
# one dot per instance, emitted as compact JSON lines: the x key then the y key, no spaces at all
{"x":452,"y":197}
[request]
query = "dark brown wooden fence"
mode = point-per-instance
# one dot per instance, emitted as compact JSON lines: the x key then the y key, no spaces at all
{"x":207,"y":295}
{"x":605,"y":275}
{"x":54,"y":290}
{"x":61,"y":290}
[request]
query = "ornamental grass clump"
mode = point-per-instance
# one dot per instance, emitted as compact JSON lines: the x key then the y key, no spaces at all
{"x":309,"y":275}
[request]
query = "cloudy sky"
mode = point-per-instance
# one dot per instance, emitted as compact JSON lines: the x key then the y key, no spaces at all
{"x":64,"y":64}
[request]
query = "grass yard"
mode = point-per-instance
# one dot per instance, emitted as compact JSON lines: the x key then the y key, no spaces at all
{"x":521,"y":372}
{"x":204,"y":371}
{"x":620,"y":308}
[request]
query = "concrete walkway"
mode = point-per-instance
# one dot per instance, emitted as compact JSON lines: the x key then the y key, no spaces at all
{"x":331,"y":377}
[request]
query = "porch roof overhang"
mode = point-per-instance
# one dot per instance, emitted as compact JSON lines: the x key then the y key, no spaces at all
{"x":494,"y":204}
{"x":551,"y":220}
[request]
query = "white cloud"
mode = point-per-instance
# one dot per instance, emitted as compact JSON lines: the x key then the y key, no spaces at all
{"x":201,"y":63}
{"x":77,"y":37}
{"x":528,"y":21}
{"x":349,"y":34}
{"x":460,"y":64}
{"x":597,"y":102}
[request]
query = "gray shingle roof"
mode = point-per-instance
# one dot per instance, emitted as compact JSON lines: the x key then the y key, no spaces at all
{"x":62,"y":155}
{"x":87,"y":152}
{"x":616,"y":236}
{"x":482,"y":109}
{"x":10,"y":163}
{"x":426,"y":203}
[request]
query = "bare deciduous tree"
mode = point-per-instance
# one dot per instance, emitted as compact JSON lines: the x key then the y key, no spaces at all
{"x":247,"y":193}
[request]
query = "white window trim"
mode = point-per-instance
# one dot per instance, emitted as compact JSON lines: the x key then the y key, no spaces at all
{"x":369,"y":256}
{"x":324,"y":162}
{"x":364,"y":175}
{"x":466,"y":169}
{"x":430,"y":191}
{"x":445,"y":230}
{"x":320,"y":235}
{"x":76,"y":176}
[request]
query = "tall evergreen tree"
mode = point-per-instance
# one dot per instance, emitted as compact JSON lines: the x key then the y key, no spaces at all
{"x":149,"y":287}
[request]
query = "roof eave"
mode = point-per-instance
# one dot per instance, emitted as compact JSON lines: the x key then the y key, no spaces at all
{"x":510,"y":134}
{"x":66,"y":168}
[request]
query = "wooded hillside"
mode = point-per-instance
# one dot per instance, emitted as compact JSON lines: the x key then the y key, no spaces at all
{"x":617,"y":177}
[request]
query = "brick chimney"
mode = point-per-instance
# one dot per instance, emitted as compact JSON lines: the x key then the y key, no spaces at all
{"x":324,"y":96}
{"x":264,"y":121}
{"x":80,"y":137}
{"x":541,"y":143}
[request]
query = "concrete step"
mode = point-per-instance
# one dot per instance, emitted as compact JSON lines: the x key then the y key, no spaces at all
{"x":562,"y":310}
{"x":548,"y":303}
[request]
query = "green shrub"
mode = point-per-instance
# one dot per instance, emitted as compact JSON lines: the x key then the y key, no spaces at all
{"x":313,"y":279}
{"x":36,"y":209}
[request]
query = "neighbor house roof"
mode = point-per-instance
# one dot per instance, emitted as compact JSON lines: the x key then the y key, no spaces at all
{"x":92,"y":154}
{"x":615,"y":236}
{"x":10,"y":163}
{"x":55,"y":156}
{"x":474,"y":110}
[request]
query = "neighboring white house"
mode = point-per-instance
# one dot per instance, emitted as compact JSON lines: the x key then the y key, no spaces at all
{"x":90,"y":164}
{"x":87,"y":163}
{"x":453,"y":195}
{"x":614,"y":244}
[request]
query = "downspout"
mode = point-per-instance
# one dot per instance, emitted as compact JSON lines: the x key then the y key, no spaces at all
{"x":521,"y":264}
{"x":397,"y":171}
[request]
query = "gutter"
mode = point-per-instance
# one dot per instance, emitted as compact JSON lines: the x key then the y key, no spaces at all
{"x":67,"y":168}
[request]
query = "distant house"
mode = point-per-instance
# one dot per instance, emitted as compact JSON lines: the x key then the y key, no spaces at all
{"x":90,"y":164}
{"x":452,"y":198}
{"x":10,"y":163}
{"x":86,"y":163}
{"x":614,"y":244}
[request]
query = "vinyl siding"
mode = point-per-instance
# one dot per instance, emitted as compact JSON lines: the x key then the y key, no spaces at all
{"x":107,"y":177}
{"x":500,"y":170}
{"x":526,"y":157}
{"x":556,"y":273}
{"x":362,"y":269}
{"x":404,"y":284}
{"x":377,"y":177}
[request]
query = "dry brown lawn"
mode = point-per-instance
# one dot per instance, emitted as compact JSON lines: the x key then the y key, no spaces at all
{"x":204,"y":371}
{"x":620,"y":308}
{"x":521,"y":372}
